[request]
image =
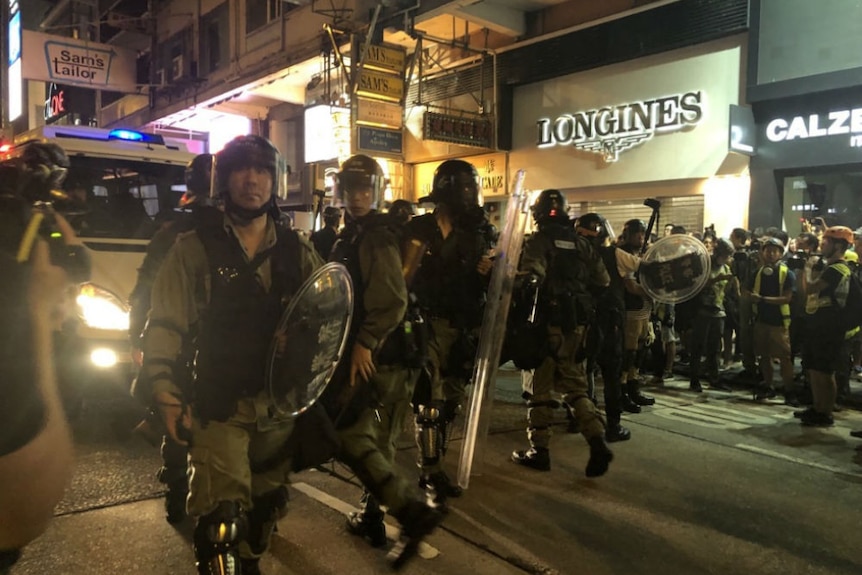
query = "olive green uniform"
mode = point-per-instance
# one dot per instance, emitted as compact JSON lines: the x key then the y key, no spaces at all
{"x":368,"y":444}
{"x":221,"y":453}
{"x":564,"y":370}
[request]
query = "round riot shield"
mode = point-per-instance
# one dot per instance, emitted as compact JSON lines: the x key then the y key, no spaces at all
{"x":675,"y":269}
{"x":309,"y":340}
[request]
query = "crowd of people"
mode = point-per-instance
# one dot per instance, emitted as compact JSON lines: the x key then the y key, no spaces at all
{"x":769,"y":301}
{"x":217,"y":279}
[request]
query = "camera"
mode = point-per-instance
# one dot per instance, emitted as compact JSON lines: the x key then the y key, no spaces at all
{"x":30,"y":183}
{"x":797,"y":261}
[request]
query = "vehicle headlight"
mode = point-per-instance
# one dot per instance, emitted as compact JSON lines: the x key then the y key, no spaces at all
{"x":101,"y":309}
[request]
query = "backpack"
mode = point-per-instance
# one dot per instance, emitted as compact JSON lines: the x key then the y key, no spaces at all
{"x":853,"y":305}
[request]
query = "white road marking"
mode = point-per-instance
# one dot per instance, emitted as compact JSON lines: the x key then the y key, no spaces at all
{"x":425,"y":551}
{"x":790,"y":458}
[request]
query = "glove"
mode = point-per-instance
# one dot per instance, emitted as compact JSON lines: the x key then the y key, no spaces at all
{"x":650,"y":339}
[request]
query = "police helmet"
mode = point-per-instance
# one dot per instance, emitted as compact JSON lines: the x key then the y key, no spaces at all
{"x":594,"y":225}
{"x":198,"y":179}
{"x":360,"y":172}
{"x":456,"y":185}
{"x":770,"y":241}
{"x":550,"y":206}
{"x":42,"y":167}
{"x":331,"y":215}
{"x":250,"y":151}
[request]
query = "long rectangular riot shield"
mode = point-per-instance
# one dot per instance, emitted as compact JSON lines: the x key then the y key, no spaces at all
{"x":494,"y":328}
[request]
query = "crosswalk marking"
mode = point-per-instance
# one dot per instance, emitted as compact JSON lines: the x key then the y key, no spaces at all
{"x":425,"y":551}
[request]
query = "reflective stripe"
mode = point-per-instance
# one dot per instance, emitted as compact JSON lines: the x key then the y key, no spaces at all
{"x":785,"y":308}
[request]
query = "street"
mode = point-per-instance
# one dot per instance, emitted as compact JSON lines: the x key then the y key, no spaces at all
{"x":715,"y":483}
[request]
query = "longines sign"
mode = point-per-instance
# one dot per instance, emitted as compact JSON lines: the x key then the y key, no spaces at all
{"x":613,"y":129}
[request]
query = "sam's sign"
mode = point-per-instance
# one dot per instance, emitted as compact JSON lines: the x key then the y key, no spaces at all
{"x":74,"y":62}
{"x":613,"y":129}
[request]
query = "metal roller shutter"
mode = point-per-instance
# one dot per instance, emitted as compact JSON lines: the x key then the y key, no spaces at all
{"x":686,"y":211}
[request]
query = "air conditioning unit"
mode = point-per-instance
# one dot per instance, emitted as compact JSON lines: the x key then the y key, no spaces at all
{"x":160,"y":77}
{"x":177,"y":69}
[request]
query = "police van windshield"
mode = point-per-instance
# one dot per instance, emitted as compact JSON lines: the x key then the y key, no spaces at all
{"x":121,"y":199}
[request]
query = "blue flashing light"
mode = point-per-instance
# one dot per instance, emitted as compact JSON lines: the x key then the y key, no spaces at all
{"x":129,"y":135}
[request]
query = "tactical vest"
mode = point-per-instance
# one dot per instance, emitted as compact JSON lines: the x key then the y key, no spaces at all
{"x":447,"y":283}
{"x":612,"y":299}
{"x":408,"y":342}
{"x":237,"y":327}
{"x":785,"y":308}
{"x":565,"y":291}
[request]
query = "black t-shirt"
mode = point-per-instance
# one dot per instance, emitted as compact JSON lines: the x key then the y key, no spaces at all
{"x":22,"y":411}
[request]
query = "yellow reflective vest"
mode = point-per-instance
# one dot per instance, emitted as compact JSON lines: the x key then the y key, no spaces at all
{"x":785,"y":307}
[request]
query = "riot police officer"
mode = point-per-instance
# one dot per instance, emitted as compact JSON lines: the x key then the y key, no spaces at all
{"x":194,"y":209}
{"x":384,"y":361}
{"x":637,"y":322}
{"x":450,"y":285}
{"x":607,"y":333}
{"x":567,"y":267}
{"x":220,"y":292}
{"x":324,"y":238}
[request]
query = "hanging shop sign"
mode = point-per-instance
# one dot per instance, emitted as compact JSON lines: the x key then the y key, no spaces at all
{"x":380,"y":140}
{"x":845,"y":123}
{"x":385,"y":59}
{"x":378,"y":113}
{"x":457,"y":129}
{"x":15,"y":94}
{"x":613,"y":129}
{"x":380,"y":86}
{"x":78,"y":63}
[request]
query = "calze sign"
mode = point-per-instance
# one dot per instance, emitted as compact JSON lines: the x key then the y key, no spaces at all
{"x":76,"y":63}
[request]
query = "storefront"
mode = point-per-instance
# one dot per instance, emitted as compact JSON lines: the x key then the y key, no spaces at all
{"x":653,"y":127}
{"x":809,"y":161}
{"x":492,"y":170}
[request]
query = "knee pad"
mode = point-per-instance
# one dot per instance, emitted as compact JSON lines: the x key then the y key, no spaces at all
{"x":428,"y":420}
{"x":268,"y":509}
{"x":216,"y":539}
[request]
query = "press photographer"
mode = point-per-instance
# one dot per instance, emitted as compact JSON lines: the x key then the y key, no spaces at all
{"x":39,"y":255}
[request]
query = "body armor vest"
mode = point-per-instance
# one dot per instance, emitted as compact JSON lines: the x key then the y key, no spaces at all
{"x":447,"y":283}
{"x":612,"y":300}
{"x":238,"y":325}
{"x":565,"y":290}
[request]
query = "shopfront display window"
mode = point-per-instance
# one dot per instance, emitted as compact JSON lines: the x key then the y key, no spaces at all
{"x":835,"y":196}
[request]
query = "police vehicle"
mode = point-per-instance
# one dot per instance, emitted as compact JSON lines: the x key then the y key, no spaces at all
{"x":122,"y":185}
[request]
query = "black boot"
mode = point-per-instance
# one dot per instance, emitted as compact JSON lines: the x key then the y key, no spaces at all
{"x":249,"y":566}
{"x":628,"y":405}
{"x":417,"y":521}
{"x":600,"y":457}
{"x":368,"y":522}
{"x":439,"y":487}
{"x":538,"y":458}
{"x":636,"y":396}
{"x":616,"y":432}
{"x":175,"y":502}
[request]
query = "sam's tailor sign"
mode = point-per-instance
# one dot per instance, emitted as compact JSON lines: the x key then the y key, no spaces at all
{"x":77,"y":63}
{"x":616,"y":128}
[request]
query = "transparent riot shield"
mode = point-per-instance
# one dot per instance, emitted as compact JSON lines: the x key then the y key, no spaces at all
{"x":310,"y":339}
{"x":494,"y":328}
{"x":675,"y":269}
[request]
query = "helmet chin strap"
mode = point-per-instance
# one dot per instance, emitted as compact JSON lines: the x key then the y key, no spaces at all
{"x":245,"y":213}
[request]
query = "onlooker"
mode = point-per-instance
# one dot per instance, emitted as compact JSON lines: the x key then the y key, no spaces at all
{"x":825,"y":281}
{"x":324,"y":238}
{"x":770,"y":291}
